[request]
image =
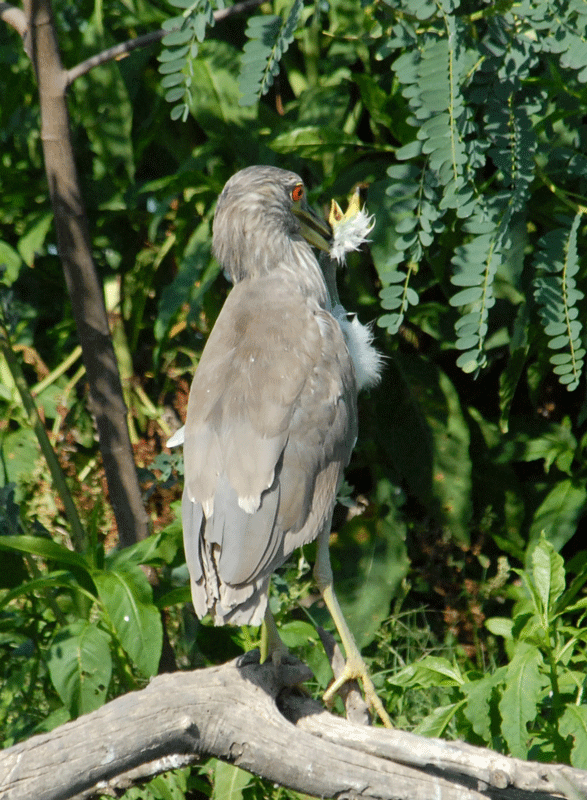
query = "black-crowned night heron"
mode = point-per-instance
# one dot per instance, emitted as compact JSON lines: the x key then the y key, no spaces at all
{"x":272,"y":415}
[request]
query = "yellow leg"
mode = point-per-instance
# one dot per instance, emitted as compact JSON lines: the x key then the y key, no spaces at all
{"x":355,"y":667}
{"x":271,"y":644}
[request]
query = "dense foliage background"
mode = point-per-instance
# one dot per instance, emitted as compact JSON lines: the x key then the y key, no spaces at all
{"x":457,"y":551}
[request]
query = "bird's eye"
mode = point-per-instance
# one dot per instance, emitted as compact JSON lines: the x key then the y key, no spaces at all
{"x":297,"y":193}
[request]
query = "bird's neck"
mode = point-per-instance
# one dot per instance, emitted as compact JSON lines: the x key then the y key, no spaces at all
{"x":296,"y":262}
{"x":303,"y":266}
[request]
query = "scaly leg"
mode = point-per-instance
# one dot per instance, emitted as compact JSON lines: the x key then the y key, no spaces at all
{"x":355,"y":667}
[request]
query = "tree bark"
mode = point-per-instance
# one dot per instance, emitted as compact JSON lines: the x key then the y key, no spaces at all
{"x":241,"y":712}
{"x":83,"y":284}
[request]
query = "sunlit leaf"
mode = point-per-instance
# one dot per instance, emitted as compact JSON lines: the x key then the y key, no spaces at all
{"x":80,"y":666}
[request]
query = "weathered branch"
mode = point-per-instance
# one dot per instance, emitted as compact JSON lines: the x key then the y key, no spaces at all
{"x":83,"y":284}
{"x":240,"y":712}
{"x":14,"y":17}
{"x":124,"y":48}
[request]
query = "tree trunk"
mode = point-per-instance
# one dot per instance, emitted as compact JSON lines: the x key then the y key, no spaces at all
{"x":85,"y":289}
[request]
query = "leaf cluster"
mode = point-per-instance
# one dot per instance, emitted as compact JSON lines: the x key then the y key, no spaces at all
{"x":479,"y":92}
{"x":531,"y":707}
{"x":97,"y":617}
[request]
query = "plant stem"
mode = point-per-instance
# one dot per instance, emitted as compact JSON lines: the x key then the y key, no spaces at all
{"x":78,"y":536}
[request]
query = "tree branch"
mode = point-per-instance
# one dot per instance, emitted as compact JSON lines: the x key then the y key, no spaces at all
{"x":240,"y":712}
{"x":123,"y":49}
{"x":14,"y":17}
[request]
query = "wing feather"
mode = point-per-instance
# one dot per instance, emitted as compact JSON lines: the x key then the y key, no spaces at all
{"x":270,"y":427}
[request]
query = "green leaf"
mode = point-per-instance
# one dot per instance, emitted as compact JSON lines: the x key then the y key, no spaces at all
{"x":500,"y":626}
{"x":269,"y":38}
{"x":44,"y":548}
{"x":217,"y":98}
{"x":436,"y":723}
{"x":479,"y":695}
{"x":176,"y":38}
{"x":313,"y":141}
{"x":128,"y":600}
{"x":467,"y":296}
{"x":557,"y":297}
{"x":19,"y":449}
{"x":229,"y":781}
{"x":548,"y":573}
{"x":429,"y":671}
{"x":382,"y":563}
{"x":33,"y":239}
{"x":573,"y":723}
{"x":152,"y":550}
{"x":519,"y":701}
{"x":452,"y":464}
{"x":10,"y":264}
{"x":168,"y":786}
{"x":80,"y":666}
{"x":559,"y":513}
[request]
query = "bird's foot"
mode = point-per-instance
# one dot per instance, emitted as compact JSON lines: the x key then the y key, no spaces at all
{"x":356,"y":669}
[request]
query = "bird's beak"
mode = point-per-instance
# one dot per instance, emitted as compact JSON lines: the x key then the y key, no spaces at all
{"x":314,"y":230}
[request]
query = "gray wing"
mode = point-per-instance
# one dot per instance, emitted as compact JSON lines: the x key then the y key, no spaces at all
{"x":270,"y":426}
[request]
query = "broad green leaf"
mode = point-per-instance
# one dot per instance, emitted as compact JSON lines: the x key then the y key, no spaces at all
{"x":298,"y":633}
{"x":479,"y":695}
{"x":429,"y":671}
{"x":128,"y":600}
{"x":313,"y":141}
{"x":560,"y":511}
{"x":380,"y":566}
{"x":175,"y":597}
{"x":500,"y":626}
{"x":168,"y":786}
{"x":374,"y":97}
{"x":216,"y":101}
{"x":44,"y":548}
{"x":229,"y":781}
{"x":519,"y":701}
{"x":80,"y":666}
{"x":548,"y":572}
{"x":556,"y":446}
{"x":19,"y":450}
{"x":10,"y":264}
{"x":195,"y":275}
{"x":156,"y":548}
{"x":303,"y":639}
{"x":33,"y":239}
{"x":452,"y":464}
{"x":436,"y":723}
{"x":574,"y":723}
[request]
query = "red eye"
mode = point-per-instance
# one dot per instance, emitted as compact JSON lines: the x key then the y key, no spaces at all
{"x":297,"y":193}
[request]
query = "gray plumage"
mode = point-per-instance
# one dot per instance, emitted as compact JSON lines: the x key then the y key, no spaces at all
{"x":271,"y":418}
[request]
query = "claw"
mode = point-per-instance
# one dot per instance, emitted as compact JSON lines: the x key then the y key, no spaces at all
{"x":356,"y":669}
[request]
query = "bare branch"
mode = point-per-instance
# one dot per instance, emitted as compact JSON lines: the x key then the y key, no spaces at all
{"x":14,"y":17}
{"x":123,"y":49}
{"x":240,"y":712}
{"x":112,"y":53}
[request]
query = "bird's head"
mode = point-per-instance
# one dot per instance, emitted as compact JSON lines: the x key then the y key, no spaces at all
{"x":263,"y":220}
